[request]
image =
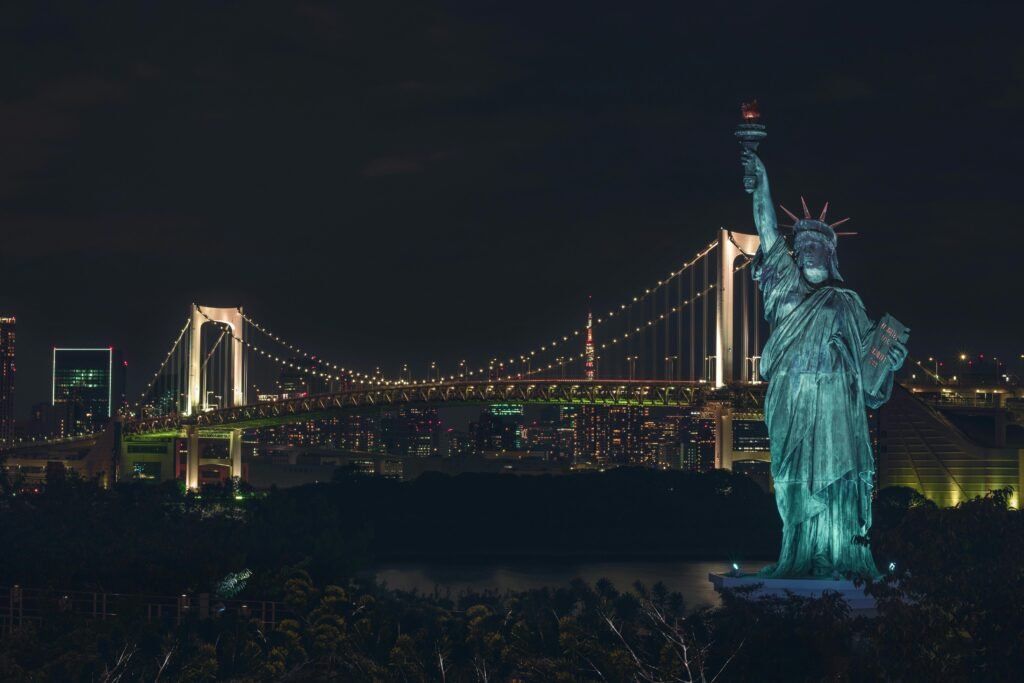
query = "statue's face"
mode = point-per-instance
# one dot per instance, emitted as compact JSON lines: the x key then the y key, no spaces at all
{"x":812,"y":257}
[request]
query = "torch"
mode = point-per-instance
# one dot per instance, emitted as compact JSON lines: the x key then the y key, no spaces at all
{"x":750,"y":134}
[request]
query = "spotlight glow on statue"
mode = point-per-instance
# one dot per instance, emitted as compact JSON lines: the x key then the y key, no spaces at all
{"x":825,"y":362}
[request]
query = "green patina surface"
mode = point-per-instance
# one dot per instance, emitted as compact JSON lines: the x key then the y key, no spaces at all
{"x":816,"y":360}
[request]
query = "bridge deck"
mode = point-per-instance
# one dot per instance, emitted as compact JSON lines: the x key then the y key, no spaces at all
{"x":537,"y":392}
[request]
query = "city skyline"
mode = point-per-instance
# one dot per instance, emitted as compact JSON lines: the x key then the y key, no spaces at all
{"x":164,"y":175}
{"x":957,"y":366}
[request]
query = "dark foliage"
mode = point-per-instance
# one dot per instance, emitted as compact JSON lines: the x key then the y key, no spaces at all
{"x":950,"y":611}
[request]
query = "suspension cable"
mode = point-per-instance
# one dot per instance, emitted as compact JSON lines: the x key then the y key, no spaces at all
{"x":301,"y":352}
{"x":284,"y":362}
{"x":156,"y":375}
{"x":600,"y":320}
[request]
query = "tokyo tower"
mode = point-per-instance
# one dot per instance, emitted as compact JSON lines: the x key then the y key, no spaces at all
{"x":589,"y":349}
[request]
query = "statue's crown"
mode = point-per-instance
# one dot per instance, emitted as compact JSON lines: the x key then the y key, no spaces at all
{"x":809,"y":224}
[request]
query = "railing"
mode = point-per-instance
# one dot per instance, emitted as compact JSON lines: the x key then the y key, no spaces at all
{"x":961,"y":402}
{"x":25,"y":606}
{"x":666,"y":393}
{"x":15,"y":444}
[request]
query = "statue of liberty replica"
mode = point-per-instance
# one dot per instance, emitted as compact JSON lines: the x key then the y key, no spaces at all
{"x":825,"y":362}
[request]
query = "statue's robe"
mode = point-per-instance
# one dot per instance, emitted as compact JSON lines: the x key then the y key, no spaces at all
{"x":822,"y":461}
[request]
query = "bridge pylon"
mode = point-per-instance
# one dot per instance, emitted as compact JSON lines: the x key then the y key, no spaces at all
{"x":731,"y":245}
{"x":235,"y":322}
{"x":232,"y":317}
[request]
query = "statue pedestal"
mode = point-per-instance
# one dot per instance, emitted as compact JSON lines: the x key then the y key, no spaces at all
{"x":804,"y":588}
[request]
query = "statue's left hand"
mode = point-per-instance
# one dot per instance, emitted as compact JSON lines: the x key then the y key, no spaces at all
{"x":897,"y":354}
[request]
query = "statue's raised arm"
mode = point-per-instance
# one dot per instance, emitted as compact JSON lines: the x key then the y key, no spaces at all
{"x":764,"y":212}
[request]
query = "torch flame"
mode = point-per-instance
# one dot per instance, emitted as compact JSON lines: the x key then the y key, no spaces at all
{"x":750,"y":111}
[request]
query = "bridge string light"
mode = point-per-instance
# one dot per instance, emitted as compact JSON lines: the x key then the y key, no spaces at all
{"x":495,"y":364}
{"x":163,"y":364}
{"x":600,"y":320}
{"x":638,"y":329}
{"x":285,"y":363}
{"x":313,"y":357}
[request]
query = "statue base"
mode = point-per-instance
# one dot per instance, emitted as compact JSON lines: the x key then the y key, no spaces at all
{"x":855,"y":597}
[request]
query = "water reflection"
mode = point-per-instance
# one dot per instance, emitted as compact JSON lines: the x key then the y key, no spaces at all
{"x":688,"y":578}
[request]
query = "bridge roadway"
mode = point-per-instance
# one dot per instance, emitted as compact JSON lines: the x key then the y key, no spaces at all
{"x":603,"y":392}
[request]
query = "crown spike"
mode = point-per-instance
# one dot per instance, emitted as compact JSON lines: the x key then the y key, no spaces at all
{"x":807,"y":212}
{"x":839,"y":222}
{"x":789,"y":213}
{"x":823,"y":212}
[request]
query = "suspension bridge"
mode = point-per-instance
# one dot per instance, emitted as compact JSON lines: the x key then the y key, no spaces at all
{"x":691,"y":339}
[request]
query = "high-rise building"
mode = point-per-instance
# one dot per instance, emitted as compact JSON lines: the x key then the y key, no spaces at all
{"x":88,"y":384}
{"x":662,"y":440}
{"x":750,"y":435}
{"x":359,"y":433}
{"x":626,"y":433}
{"x":592,"y":434}
{"x":500,"y":428}
{"x":411,"y":430}
{"x":6,"y":377}
{"x":697,"y":434}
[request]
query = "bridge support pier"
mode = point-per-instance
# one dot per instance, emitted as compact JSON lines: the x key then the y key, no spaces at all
{"x":192,"y":461}
{"x":235,"y":452}
{"x":196,"y":460}
{"x":723,"y":436}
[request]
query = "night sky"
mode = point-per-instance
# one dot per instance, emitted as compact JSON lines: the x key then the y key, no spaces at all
{"x":392,"y":183}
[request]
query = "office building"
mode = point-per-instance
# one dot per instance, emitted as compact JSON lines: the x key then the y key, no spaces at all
{"x":88,"y":384}
{"x":697,"y":436}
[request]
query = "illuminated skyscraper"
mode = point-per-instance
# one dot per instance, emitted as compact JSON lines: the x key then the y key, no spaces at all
{"x":697,"y":434}
{"x":411,"y":430}
{"x":592,"y":434}
{"x":89,"y":383}
{"x":625,"y":441}
{"x":589,"y":349}
{"x":6,"y":377}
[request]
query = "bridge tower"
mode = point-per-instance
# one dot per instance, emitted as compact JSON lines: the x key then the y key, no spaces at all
{"x":732,"y":245}
{"x":232,"y":318}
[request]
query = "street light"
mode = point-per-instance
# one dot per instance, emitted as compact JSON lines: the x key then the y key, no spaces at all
{"x":670,"y":366}
{"x":632,"y":366}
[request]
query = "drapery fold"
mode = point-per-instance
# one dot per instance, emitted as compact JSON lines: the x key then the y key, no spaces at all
{"x":822,"y":462}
